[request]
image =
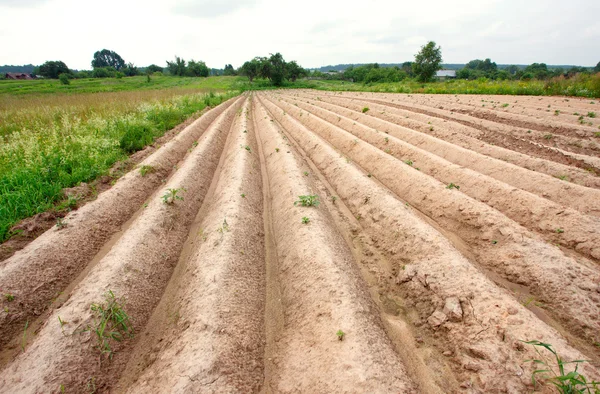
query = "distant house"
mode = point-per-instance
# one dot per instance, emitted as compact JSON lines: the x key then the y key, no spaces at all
{"x":445,"y":74}
{"x":18,"y":76}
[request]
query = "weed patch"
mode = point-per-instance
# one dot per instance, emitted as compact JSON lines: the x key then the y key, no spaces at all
{"x":111,"y":323}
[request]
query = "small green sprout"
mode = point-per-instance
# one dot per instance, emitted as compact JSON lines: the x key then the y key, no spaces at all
{"x":308,"y":201}
{"x":146,"y":170}
{"x":340,"y":334}
{"x":365,"y":110}
{"x":60,"y":223}
{"x":171,"y":195}
{"x":453,"y":186}
{"x":305,"y":220}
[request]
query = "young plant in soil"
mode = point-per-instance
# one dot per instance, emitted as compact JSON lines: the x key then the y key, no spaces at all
{"x":111,"y":323}
{"x":146,"y":170}
{"x":453,"y":186}
{"x":171,"y":195}
{"x":340,"y":334}
{"x":305,"y":220}
{"x":565,"y":382}
{"x":365,"y":110}
{"x":308,"y":201}
{"x":60,"y":223}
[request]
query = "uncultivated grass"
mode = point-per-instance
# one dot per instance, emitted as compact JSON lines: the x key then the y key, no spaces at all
{"x":46,"y":147}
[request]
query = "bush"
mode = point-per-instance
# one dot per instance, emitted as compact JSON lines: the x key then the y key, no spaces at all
{"x":104,"y":72}
{"x":64,"y":79}
{"x":135,"y":136}
{"x":119,"y":75}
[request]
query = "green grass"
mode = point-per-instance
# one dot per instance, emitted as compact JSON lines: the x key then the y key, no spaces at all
{"x":96,"y":85}
{"x":581,"y":86}
{"x":566,"y":382}
{"x":46,"y":148}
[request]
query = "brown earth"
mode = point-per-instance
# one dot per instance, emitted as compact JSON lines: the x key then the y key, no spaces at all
{"x":445,"y":235}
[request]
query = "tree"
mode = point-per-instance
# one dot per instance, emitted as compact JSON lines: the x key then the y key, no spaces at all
{"x":251,"y":69}
{"x":130,"y":70}
{"x":512,"y":70}
{"x":597,"y":68}
{"x":177,"y":67}
{"x":536,"y":70}
{"x":108,"y":58}
{"x":151,"y":69}
{"x":52,"y":69}
{"x":294,"y":71}
{"x":427,"y":62}
{"x":407,"y":68}
{"x":228,"y":70}
{"x":278,"y":69}
{"x":197,"y":69}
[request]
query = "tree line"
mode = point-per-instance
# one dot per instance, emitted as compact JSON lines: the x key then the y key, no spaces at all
{"x":276,"y":70}
{"x":429,"y":59}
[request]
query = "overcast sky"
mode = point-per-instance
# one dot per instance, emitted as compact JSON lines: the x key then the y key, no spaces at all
{"x":315,"y":33}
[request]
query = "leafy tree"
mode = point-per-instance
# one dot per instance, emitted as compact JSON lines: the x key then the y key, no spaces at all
{"x":108,"y":58}
{"x":197,"y":69}
{"x":130,"y":70}
{"x":407,"y":68}
{"x":536,"y":70}
{"x":597,"y":68}
{"x":487,"y":66}
{"x":251,"y":69}
{"x":228,"y":70}
{"x":151,"y":69}
{"x":278,"y":69}
{"x":427,"y":61}
{"x":52,"y":69}
{"x":178,"y":67}
{"x":294,"y":71}
{"x":264,"y":67}
{"x":576,"y":70}
{"x":512,"y":70}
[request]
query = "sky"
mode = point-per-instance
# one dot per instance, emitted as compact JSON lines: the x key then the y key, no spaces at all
{"x":314,"y":33}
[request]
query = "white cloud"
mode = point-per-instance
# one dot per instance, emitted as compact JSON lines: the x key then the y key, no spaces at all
{"x":210,"y":8}
{"x":313,"y":32}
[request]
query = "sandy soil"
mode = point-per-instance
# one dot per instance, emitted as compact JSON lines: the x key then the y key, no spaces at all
{"x":394,"y":282}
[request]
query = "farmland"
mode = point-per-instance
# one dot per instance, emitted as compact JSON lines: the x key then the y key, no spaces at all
{"x":316,"y":241}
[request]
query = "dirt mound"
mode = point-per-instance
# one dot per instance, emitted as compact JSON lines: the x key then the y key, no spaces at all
{"x":302,"y":241}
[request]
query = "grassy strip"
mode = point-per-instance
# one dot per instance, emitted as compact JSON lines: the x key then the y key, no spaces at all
{"x":96,"y":85}
{"x":580,"y":86}
{"x":37,"y":163}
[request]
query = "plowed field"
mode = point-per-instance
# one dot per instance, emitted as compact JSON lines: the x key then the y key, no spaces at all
{"x":448,"y":230}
